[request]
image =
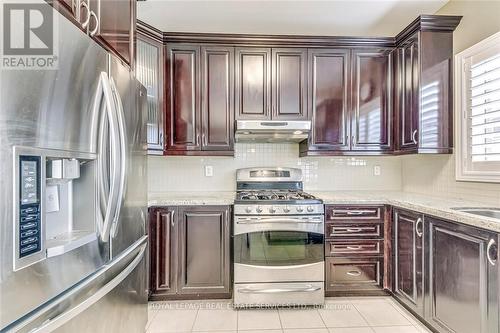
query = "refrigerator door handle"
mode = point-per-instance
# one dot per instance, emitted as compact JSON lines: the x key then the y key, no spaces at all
{"x":120,"y":116}
{"x":61,"y":319}
{"x":109,"y":198}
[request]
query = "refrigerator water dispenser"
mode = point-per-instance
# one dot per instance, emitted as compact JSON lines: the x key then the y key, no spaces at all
{"x":55,"y":200}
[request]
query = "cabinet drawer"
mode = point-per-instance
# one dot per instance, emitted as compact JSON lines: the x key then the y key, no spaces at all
{"x":374,"y":230}
{"x":354,"y":213}
{"x":370,"y":247}
{"x":353,"y":274}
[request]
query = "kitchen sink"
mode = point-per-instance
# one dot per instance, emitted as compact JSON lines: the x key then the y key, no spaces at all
{"x":481,"y":211}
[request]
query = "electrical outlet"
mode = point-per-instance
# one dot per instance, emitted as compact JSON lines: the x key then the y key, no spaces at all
{"x":209,"y":171}
{"x":376,"y":170}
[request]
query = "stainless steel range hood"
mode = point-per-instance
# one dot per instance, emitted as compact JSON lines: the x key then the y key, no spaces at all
{"x":272,"y":130}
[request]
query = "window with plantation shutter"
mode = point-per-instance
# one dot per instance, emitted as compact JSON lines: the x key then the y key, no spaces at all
{"x":478,"y":111}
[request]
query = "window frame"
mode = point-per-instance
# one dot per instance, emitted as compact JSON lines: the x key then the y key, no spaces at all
{"x":462,"y":157}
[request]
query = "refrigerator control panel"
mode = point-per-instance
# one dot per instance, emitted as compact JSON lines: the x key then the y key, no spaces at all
{"x":29,"y":205}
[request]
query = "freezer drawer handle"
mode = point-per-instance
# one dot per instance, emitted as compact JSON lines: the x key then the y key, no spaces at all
{"x":309,"y":288}
{"x":56,"y":322}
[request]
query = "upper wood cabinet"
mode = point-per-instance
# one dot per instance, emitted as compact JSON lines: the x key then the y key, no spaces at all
{"x":371,"y":116}
{"x":114,"y":26}
{"x":217,"y":109}
{"x":328,"y":99}
{"x":112,"y":23}
{"x":200,"y":103}
{"x":364,"y":96}
{"x":349,"y":95}
{"x":289,"y":84}
{"x":183,"y":102}
{"x":271,"y":83}
{"x":253,"y":83}
{"x":150,"y":73}
{"x":424,"y":93}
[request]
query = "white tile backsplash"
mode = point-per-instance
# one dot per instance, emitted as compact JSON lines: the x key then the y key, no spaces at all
{"x":186,"y":173}
{"x":435,"y":174}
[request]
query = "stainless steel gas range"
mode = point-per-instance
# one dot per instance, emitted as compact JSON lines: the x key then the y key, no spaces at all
{"x":278,"y":240}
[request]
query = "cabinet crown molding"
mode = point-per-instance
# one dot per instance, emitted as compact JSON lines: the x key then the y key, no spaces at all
{"x":429,"y":23}
{"x":422,"y":23}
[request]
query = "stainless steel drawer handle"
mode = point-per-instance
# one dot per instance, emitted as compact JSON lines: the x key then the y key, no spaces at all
{"x":354,"y":273}
{"x":354,"y":229}
{"x":491,"y":244}
{"x":354,"y":247}
{"x":308,"y":288}
{"x":414,"y":136}
{"x":354,"y":212}
{"x":418,"y":230}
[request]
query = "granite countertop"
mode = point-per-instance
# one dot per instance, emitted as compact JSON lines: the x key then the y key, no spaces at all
{"x":431,"y":205}
{"x":191,"y":198}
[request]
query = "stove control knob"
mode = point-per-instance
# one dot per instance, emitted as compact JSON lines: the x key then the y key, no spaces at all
{"x":300,"y":209}
{"x":248,"y":209}
{"x":310,"y":209}
{"x":272,"y":209}
{"x":259,"y":209}
{"x":286,"y":209}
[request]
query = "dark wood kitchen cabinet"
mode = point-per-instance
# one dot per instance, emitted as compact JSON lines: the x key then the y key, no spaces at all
{"x":289,"y":84}
{"x":114,"y":26}
{"x":204,"y":250}
{"x":365,"y":96}
{"x":150,"y":73}
{"x":371,"y":112}
{"x":329,"y":83}
{"x":200,"y":108}
{"x":355,"y":240}
{"x":217,"y":106}
{"x":253,"y":83}
{"x":271,"y":83}
{"x":163,"y":251}
{"x":408,"y":229}
{"x":112,"y":23}
{"x":183,"y":101}
{"x":349,"y":98}
{"x":190,"y":252}
{"x":463,"y":278}
{"x":424,"y":92}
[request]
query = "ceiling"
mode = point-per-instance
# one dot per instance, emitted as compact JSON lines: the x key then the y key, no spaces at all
{"x":322,"y":18}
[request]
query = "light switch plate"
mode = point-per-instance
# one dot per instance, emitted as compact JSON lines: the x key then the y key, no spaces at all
{"x":209,"y":171}
{"x":376,"y":170}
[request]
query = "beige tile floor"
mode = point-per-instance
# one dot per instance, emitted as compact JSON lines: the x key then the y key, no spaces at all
{"x":340,"y":315}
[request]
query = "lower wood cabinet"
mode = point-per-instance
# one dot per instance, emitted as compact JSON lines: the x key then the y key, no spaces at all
{"x":408,"y":259}
{"x":354,"y":250}
{"x":462,"y":278}
{"x":446,"y":273}
{"x":190,"y":252}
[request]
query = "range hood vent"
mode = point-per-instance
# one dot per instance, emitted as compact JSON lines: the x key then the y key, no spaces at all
{"x":272,"y":131}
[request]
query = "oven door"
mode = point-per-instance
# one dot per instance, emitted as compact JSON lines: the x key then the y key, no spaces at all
{"x":278,"y":249}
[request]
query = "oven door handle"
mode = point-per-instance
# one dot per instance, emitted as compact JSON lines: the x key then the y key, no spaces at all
{"x":307,"y":289}
{"x":317,"y":220}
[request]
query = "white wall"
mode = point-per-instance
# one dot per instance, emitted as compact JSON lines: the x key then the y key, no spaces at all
{"x":436,"y":174}
{"x":321,"y":173}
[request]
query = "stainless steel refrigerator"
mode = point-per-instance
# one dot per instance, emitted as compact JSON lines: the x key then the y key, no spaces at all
{"x":73,"y":194}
